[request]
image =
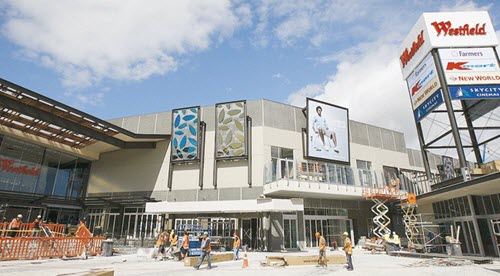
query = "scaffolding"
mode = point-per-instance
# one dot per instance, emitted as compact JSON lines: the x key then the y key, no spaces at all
{"x":410,"y":219}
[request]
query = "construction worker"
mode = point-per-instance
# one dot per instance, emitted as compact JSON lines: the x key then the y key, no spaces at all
{"x":160,"y":244}
{"x":185,"y":246}
{"x":15,"y":225}
{"x":322,"y":249}
{"x":36,"y":226}
{"x":205,"y":251}
{"x":236,"y":246}
{"x":348,"y":251}
{"x":171,"y":236}
{"x":173,"y":243}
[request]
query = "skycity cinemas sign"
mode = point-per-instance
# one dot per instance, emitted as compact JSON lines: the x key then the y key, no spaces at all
{"x":407,"y":55}
{"x":446,"y":29}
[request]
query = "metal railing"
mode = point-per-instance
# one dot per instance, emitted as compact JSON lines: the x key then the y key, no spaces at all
{"x":321,"y":172}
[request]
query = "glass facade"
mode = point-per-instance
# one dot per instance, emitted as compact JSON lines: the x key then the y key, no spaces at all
{"x":452,"y":208}
{"x":29,"y":168}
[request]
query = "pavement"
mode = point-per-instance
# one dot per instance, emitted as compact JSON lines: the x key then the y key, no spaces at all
{"x":365,"y":263}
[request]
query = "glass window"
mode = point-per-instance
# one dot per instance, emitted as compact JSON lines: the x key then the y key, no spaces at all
{"x":496,"y":203}
{"x":80,"y":177}
{"x":31,"y":159}
{"x":364,"y":165}
{"x":64,"y":174}
{"x":10,"y":154}
{"x":274,"y":152}
{"x":478,"y":205}
{"x":48,"y":174}
{"x":468,"y":211}
{"x":286,"y":153}
{"x":488,"y":205}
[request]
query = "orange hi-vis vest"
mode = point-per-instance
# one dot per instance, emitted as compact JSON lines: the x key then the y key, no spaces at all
{"x":209,"y":248}
{"x":161,"y":240}
{"x":173,"y":241}
{"x":185,"y":242}
{"x":348,"y":246}
{"x":15,"y":223}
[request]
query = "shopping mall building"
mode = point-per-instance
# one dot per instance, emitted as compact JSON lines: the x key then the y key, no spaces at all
{"x":243,"y":166}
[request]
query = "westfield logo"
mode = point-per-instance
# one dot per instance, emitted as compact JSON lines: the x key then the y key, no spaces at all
{"x":445,"y":28}
{"x":7,"y":165}
{"x":408,"y":54}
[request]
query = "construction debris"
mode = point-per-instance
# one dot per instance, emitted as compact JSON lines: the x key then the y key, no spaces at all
{"x":441,"y":262}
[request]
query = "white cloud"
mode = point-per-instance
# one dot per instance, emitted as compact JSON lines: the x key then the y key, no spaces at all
{"x":315,"y":21}
{"x":462,"y":5}
{"x":371,"y":86}
{"x":87,"y":41}
{"x":309,"y":91}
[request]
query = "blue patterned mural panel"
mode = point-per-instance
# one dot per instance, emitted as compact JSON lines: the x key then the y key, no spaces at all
{"x":185,"y":127}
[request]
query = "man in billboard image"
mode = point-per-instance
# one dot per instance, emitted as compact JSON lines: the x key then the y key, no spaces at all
{"x":321,"y":129}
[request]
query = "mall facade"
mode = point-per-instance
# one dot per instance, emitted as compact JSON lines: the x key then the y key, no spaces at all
{"x":121,"y":176}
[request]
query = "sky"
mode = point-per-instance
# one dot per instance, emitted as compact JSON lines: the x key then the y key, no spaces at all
{"x":121,"y":58}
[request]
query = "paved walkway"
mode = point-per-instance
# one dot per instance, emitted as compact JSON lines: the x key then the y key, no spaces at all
{"x":365,"y":263}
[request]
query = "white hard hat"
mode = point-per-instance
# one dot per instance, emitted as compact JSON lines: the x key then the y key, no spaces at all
{"x":345,"y":234}
{"x":20,"y":216}
{"x":39,"y":216}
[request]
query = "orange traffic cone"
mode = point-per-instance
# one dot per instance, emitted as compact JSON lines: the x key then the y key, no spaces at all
{"x":245,"y":260}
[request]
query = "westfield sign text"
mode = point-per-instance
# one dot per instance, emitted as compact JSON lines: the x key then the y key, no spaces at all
{"x":407,"y":55}
{"x":446,"y":29}
{"x":7,"y":165}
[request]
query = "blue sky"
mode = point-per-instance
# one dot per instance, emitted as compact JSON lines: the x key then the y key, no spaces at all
{"x":121,"y":58}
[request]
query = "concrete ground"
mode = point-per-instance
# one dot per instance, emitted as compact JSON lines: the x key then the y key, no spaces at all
{"x":365,"y":263}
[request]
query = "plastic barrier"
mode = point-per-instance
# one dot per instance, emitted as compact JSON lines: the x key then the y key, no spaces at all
{"x":27,"y":229}
{"x":28,"y":248}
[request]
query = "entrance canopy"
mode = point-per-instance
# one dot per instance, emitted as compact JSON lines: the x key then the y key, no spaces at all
{"x":30,"y":116}
{"x":229,"y":206}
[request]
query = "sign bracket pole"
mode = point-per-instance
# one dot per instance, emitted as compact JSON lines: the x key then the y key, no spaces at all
{"x":472,"y":133}
{"x":449,"y":107}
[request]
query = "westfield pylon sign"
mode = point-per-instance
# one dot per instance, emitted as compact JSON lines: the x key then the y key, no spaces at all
{"x":445,"y":30}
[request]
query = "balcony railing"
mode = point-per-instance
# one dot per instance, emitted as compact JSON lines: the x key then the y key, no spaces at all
{"x":328,"y":173}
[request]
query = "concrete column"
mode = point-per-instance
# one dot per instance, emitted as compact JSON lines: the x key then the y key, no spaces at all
{"x":476,"y":226}
{"x":301,"y":230}
{"x":266,"y":229}
{"x":275,"y":242}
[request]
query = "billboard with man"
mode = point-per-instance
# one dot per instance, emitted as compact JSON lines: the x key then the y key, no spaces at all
{"x":327,"y":131}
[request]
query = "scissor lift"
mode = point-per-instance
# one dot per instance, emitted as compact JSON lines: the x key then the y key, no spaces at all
{"x":380,"y":196}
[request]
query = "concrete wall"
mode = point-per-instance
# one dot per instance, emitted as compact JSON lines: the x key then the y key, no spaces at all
{"x":130,"y":170}
{"x":274,"y":124}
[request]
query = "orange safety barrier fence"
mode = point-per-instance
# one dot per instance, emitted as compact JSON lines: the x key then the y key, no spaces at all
{"x":29,"y":248}
{"x":27,"y":229}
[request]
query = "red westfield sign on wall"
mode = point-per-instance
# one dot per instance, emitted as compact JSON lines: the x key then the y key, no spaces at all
{"x":446,"y":29}
{"x":407,"y":55}
{"x":7,"y":165}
